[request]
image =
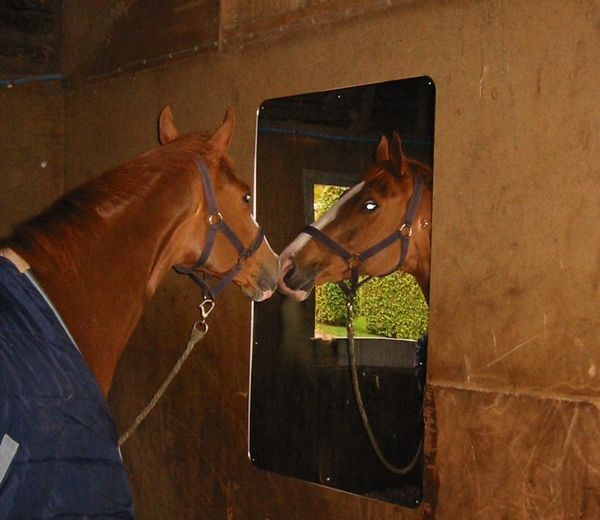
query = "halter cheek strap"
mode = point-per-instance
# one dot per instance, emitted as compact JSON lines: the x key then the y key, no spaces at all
{"x":200,"y":328}
{"x":216,"y":224}
{"x":354,"y":261}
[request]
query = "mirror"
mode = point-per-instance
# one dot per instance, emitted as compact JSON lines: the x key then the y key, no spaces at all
{"x":304,"y":421}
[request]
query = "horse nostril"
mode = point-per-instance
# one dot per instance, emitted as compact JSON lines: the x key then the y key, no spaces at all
{"x":268,"y":280}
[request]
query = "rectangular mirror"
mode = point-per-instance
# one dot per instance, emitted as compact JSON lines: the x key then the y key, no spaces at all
{"x":304,"y":420}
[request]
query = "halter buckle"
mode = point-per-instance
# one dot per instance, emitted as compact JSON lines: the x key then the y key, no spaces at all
{"x":405,"y":230}
{"x":215,"y":218}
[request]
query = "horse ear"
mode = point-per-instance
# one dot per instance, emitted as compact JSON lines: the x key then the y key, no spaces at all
{"x":221,"y":139}
{"x":383,"y":150}
{"x":167,"y":131}
{"x":397,"y":154}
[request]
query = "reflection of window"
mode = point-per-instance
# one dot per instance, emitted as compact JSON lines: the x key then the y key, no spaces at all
{"x":389,"y":307}
{"x":324,"y":196}
{"x":330,"y":307}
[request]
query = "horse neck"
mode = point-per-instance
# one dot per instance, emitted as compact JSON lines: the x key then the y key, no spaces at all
{"x":101,"y":285}
{"x":419,"y":268}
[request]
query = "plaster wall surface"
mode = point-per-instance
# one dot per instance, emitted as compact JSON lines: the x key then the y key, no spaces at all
{"x":31,"y":151}
{"x":513,"y":378}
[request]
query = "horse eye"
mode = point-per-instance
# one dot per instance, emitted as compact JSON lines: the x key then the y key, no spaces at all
{"x":370,"y":205}
{"x":247,"y":198}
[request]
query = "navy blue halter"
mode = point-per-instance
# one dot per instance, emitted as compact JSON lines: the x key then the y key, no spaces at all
{"x":216,"y":224}
{"x":354,"y":260}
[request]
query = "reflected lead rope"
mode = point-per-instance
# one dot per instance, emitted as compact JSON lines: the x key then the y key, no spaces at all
{"x":199,"y":330}
{"x":360,"y":404}
{"x":353,"y":262}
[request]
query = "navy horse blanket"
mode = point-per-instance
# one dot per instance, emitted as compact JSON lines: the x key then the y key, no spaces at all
{"x":58,"y":442}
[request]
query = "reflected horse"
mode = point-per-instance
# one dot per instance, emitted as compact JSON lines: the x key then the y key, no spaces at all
{"x":78,"y":275}
{"x":380,"y":225}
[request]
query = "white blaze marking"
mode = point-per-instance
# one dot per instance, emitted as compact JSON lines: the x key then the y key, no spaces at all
{"x":333,"y":211}
{"x":300,"y":241}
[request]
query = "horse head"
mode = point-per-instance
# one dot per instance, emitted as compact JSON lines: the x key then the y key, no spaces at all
{"x":220,"y":237}
{"x":364,"y":231}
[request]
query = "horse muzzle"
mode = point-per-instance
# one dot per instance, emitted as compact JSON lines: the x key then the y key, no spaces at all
{"x":258,"y":276}
{"x":295,"y":283}
{"x":263,"y":288}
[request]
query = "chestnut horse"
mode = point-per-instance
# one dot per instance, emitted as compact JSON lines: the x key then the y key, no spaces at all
{"x":378,"y":226}
{"x":78,"y":275}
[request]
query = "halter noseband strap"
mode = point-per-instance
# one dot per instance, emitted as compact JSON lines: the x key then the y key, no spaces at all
{"x":354,"y":260}
{"x":216,"y":224}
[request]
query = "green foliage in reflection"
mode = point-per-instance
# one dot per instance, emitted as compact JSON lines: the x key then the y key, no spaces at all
{"x":325,"y":197}
{"x":329,"y":300}
{"x":330,"y":307}
{"x":392,"y":306}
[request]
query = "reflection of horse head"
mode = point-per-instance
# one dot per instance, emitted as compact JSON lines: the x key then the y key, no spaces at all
{"x":101,"y":250}
{"x":381,"y":224}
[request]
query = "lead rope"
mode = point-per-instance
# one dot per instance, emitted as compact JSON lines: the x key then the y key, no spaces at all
{"x":350,"y":298}
{"x":199,"y":330}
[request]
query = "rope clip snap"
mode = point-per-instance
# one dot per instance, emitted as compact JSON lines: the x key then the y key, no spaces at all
{"x":206,"y":308}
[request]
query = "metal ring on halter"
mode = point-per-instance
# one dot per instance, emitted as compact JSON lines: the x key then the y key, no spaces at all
{"x":406,"y":230}
{"x":354,"y":261}
{"x":215,"y":218}
{"x":242,"y":258}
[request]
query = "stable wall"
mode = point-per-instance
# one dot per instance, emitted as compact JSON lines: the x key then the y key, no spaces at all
{"x":512,"y":408}
{"x":31,"y":150}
